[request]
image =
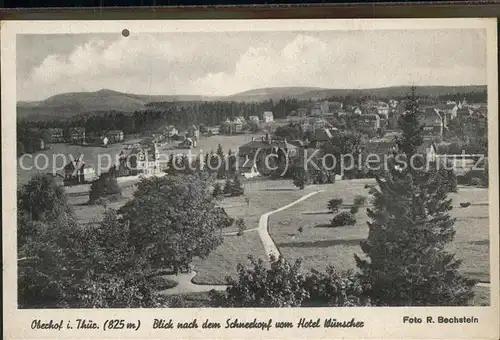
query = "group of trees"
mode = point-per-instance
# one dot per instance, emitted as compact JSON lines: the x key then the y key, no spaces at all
{"x":232,"y":188}
{"x":104,"y":188}
{"x":345,"y":217}
{"x":169,"y":221}
{"x":31,"y":139}
{"x":284,"y":284}
{"x":469,"y":134}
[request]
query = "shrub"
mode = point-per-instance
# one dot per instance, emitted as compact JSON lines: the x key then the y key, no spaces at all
{"x":259,"y":285}
{"x":359,"y":200}
{"x":300,"y":230}
{"x":354,"y":209}
{"x":104,"y":186}
{"x":343,"y":219}
{"x":476,"y":181}
{"x":334,"y":204}
{"x":176,"y":302}
{"x":162,"y":283}
{"x":464,"y":204}
{"x":334,"y":289}
{"x":240,"y":224}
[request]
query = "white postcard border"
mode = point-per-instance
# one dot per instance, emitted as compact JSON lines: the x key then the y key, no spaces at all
{"x":379,"y":322}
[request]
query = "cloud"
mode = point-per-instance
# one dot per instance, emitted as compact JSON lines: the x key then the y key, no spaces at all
{"x":221,"y":64}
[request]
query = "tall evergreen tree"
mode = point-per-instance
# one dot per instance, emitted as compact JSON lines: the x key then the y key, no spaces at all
{"x":221,"y":171}
{"x":237,"y":188}
{"x":406,"y":263}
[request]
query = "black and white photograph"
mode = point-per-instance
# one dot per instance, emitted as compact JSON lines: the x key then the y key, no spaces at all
{"x":254,"y":168}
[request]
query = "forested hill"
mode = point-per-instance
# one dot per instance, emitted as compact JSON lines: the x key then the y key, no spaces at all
{"x":66,"y":105}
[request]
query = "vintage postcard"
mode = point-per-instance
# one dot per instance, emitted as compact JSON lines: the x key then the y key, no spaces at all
{"x":250,"y":179}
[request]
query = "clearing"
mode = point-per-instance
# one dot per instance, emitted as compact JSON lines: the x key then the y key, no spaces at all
{"x":319,"y":245}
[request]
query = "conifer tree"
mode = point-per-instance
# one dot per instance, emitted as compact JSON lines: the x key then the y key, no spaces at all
{"x":237,"y":188}
{"x":406,"y":263}
{"x":217,"y":193}
{"x":228,"y":187}
{"x":221,"y":171}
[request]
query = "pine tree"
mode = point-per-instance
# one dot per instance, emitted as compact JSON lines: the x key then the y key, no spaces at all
{"x":300,"y":177}
{"x":237,"y":188}
{"x":221,"y":171}
{"x":170,"y":165}
{"x":228,"y":187}
{"x":217,"y":193}
{"x":407,"y":264}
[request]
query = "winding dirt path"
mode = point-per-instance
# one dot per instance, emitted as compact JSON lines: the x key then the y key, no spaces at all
{"x":184,"y":280}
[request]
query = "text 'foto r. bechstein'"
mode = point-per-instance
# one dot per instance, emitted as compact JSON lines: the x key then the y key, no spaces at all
{"x":258,"y":169}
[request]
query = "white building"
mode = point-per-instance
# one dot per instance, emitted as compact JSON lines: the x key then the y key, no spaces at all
{"x":148,"y":161}
{"x":267,"y":117}
{"x":254,"y":119}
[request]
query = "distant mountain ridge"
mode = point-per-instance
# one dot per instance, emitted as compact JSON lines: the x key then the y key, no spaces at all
{"x":74,"y":103}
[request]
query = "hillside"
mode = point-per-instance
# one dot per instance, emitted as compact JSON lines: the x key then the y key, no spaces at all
{"x":74,"y":103}
{"x":388,"y":92}
{"x":274,"y":93}
{"x":67,"y":105}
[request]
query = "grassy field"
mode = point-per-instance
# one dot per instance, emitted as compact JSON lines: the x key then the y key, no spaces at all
{"x":86,"y":213}
{"x":60,"y":154}
{"x":223,"y":261}
{"x":265,"y":196}
{"x":319,"y":245}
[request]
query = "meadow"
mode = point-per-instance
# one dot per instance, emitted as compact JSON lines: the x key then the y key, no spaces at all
{"x":319,"y":245}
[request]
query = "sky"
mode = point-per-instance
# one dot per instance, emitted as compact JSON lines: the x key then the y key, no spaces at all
{"x":224,"y":63}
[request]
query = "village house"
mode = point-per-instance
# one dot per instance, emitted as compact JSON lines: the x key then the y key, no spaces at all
{"x":77,"y":135}
{"x":463,"y":112}
{"x":188,"y":143}
{"x":104,"y":141}
{"x":369,"y":123}
{"x":321,"y":136}
{"x":393,"y":103}
{"x":314,"y":123}
{"x":181,"y":135}
{"x":383,"y":110}
{"x":378,"y":150}
{"x":115,"y":136}
{"x":254,"y":119}
{"x":170,"y":131}
{"x":193,"y":132}
{"x":432,"y":122}
{"x":250,"y":149}
{"x":447,"y":112}
{"x":148,"y":160}
{"x":357,"y":110}
{"x":267,"y":117}
{"x":248,"y":168}
{"x":78,"y":172}
{"x":56,"y":135}
{"x":302,"y":112}
{"x":213,"y":130}
{"x":316,"y":110}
